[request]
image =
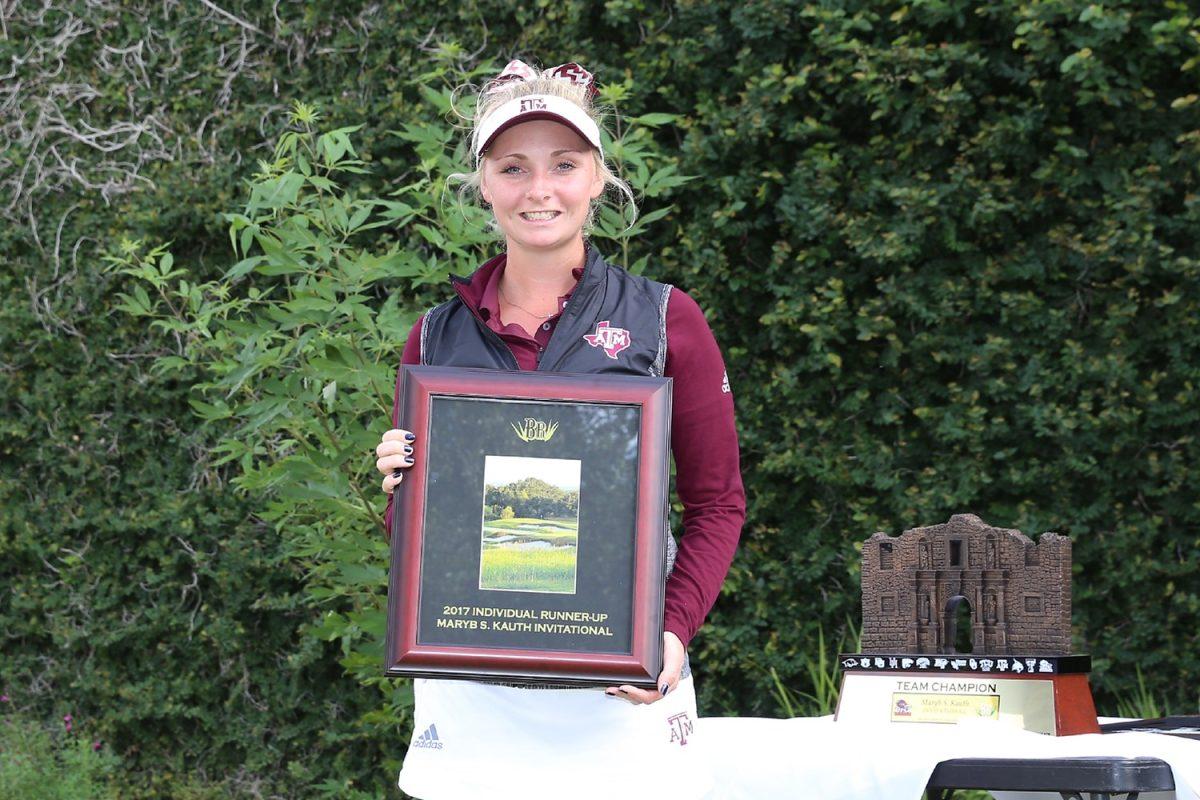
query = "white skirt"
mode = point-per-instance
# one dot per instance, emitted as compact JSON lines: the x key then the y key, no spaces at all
{"x":473,"y":740}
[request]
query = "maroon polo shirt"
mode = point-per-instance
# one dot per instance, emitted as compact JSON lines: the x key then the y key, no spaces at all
{"x":703,"y":439}
{"x":484,"y":299}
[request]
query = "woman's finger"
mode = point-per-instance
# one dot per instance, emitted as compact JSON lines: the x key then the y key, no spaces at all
{"x":638,"y":696}
{"x":399,"y":435}
{"x":393,"y":445}
{"x":391,"y":481}
{"x":391,"y":463}
{"x":633,"y":694}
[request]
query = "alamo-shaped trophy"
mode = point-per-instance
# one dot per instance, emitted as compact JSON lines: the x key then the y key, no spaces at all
{"x":966,"y":620}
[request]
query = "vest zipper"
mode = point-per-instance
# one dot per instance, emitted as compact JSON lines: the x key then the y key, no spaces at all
{"x":562,"y":319}
{"x":490,"y":334}
{"x":572,"y":309}
{"x":495,"y":337}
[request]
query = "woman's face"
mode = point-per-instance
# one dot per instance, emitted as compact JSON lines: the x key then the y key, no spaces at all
{"x":540,"y":177}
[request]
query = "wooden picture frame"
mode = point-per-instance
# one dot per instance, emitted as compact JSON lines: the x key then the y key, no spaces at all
{"x":529,"y":538}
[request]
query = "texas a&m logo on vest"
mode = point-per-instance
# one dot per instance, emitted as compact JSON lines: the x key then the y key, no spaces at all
{"x":613,"y":340}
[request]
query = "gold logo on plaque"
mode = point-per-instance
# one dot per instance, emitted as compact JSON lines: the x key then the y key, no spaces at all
{"x":534,"y":430}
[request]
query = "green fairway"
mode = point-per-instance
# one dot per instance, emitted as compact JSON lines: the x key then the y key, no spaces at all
{"x":528,"y":554}
{"x":554,"y":531}
{"x":550,"y":570}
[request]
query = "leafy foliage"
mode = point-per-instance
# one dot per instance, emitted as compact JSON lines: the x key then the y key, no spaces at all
{"x":967,"y":257}
{"x":530,"y":497}
{"x":51,"y":762}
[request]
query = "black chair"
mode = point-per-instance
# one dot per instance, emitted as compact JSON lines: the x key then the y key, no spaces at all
{"x":1072,"y":778}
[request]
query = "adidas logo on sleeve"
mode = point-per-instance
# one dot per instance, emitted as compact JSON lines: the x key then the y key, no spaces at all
{"x":429,"y":739}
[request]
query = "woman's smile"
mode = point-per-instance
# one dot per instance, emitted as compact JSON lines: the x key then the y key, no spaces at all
{"x":539,"y":216}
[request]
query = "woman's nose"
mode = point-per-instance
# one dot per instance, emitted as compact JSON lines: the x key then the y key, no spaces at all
{"x":538,"y":186}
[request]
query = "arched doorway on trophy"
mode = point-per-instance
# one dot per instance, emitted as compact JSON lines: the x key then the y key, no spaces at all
{"x":958,"y":625}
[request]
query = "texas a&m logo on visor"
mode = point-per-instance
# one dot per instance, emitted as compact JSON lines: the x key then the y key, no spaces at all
{"x":613,"y":340}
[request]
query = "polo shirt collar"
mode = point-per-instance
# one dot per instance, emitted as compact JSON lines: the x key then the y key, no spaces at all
{"x":480,"y":290}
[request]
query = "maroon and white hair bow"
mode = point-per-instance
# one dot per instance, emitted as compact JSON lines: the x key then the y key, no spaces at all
{"x":518,"y":70}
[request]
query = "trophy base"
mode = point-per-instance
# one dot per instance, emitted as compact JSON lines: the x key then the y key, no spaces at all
{"x":1044,"y":694}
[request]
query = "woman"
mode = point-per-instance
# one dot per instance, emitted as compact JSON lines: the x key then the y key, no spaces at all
{"x":550,"y":302}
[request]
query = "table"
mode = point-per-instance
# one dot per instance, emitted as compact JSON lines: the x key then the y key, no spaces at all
{"x":802,"y":758}
{"x":1070,"y":777}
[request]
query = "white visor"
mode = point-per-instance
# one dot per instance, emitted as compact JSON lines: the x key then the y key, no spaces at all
{"x":536,"y":106}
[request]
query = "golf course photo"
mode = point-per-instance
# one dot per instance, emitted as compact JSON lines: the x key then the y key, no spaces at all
{"x":530,"y":531}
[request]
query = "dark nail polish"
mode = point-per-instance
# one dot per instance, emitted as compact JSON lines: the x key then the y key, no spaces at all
{"x":408,"y":449}
{"x":666,"y":687}
{"x":396,"y":473}
{"x":410,"y":436}
{"x":610,"y":694}
{"x":408,"y":460}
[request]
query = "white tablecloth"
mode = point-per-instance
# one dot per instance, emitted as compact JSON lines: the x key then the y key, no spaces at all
{"x":763,"y":759}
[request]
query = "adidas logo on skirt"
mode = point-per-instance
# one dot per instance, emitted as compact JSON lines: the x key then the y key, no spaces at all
{"x":429,"y":739}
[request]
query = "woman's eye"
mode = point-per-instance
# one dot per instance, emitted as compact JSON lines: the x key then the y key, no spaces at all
{"x":510,"y":169}
{"x":566,"y":165}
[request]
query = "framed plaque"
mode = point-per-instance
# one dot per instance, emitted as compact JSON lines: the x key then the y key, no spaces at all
{"x":529,"y":538}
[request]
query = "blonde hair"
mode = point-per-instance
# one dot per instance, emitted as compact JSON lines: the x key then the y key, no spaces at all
{"x":544,"y":83}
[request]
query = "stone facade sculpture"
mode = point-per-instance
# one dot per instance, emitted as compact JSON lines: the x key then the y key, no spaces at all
{"x":1018,"y":591}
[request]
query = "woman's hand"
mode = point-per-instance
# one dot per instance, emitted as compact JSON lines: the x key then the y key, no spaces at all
{"x":673,"y":655}
{"x":395,"y":454}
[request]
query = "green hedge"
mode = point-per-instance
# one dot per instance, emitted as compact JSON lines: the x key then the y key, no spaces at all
{"x":949,"y":249}
{"x":963,"y":279}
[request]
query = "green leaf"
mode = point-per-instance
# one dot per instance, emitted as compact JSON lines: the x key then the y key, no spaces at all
{"x":143,"y":298}
{"x":654,"y":119}
{"x":243,"y":267}
{"x":439,"y":99}
{"x":275,"y":193}
{"x":644,"y":220}
{"x":210,"y":411}
{"x":430,"y":234}
{"x":360,"y":216}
